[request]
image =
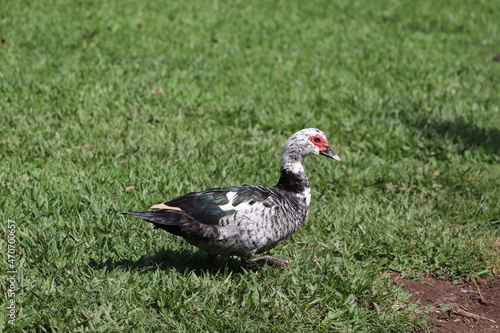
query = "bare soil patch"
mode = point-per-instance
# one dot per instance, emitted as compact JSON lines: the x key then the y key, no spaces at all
{"x":456,"y":307}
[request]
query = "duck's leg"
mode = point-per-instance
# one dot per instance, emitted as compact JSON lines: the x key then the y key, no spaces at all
{"x":270,"y":260}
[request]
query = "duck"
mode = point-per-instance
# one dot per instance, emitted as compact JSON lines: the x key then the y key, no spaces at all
{"x":246,"y":220}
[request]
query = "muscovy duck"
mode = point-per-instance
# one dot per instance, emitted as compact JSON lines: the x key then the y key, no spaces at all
{"x":248,"y":219}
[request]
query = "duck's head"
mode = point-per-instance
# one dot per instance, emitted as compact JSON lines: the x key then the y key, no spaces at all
{"x":309,"y":141}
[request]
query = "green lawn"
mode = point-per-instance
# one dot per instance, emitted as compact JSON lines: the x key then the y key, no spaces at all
{"x":175,"y":96}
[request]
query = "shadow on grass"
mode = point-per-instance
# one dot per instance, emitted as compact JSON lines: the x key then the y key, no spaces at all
{"x":466,"y":135}
{"x":183,"y":261}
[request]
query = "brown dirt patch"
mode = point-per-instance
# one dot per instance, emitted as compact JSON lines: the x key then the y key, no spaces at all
{"x":456,"y":307}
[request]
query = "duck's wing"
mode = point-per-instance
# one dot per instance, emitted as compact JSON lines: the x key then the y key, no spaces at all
{"x":210,"y":206}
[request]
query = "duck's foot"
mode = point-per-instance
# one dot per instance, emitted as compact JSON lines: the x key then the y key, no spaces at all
{"x":270,"y":260}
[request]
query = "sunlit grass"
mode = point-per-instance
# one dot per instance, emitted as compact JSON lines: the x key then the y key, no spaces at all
{"x":115,"y":106}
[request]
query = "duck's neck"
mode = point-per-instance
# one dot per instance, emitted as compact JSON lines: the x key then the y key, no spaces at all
{"x":293,"y":177}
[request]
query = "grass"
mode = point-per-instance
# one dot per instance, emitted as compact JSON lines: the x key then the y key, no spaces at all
{"x":181,"y":96}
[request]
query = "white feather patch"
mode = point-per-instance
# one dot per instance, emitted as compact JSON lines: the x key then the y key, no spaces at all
{"x":230,"y":196}
{"x":307,"y":193}
{"x":244,"y":205}
{"x":229,"y":206}
{"x":294,"y":167}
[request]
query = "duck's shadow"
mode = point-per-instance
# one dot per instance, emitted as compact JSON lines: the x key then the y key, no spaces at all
{"x":182,"y":261}
{"x":460,"y":131}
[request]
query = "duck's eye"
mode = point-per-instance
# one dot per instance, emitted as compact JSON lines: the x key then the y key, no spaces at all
{"x":317,"y":140}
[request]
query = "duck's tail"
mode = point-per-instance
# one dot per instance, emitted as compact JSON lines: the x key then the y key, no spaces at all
{"x":165,"y":219}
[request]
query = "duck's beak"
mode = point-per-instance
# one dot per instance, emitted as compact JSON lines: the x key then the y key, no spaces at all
{"x":329,"y":153}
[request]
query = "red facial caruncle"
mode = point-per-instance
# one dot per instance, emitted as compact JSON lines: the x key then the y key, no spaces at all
{"x":319,"y":141}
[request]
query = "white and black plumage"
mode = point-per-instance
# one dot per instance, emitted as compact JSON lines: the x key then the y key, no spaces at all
{"x":248,"y":219}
